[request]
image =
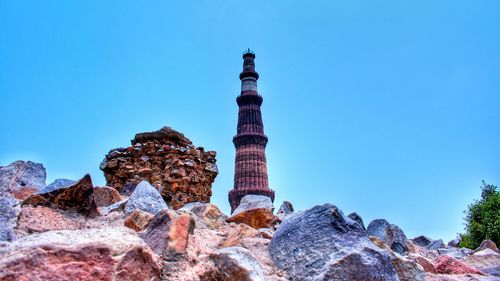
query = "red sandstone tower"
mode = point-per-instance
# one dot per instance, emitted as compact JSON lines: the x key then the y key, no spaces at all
{"x":250,"y":175}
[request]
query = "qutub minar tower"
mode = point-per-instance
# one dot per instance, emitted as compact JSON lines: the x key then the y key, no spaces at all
{"x":250,"y":176}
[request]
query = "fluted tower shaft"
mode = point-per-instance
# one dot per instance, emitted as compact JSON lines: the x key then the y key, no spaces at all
{"x":250,"y":175}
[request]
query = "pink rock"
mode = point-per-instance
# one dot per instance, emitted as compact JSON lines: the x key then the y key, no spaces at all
{"x":105,"y":196}
{"x":91,"y":254}
{"x":450,"y":265}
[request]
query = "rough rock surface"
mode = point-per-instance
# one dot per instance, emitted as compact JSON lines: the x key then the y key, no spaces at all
{"x":421,"y":241}
{"x":56,"y":184}
{"x":254,"y":210}
{"x":455,"y":242}
{"x":323,"y":244}
{"x":145,"y":197}
{"x":237,"y":234}
{"x":234,"y":263}
{"x":427,"y":265}
{"x":9,"y":210}
{"x":357,"y":218}
{"x":487,"y":260}
{"x":98,"y":254}
{"x":406,"y":269}
{"x":167,"y":159}
{"x":285,"y":209}
{"x":487,"y":244}
{"x":391,"y":234}
{"x":18,"y":181}
{"x":436,"y":244}
{"x":105,"y":196}
{"x":206,"y":213}
{"x":20,"y":175}
{"x":450,"y":265}
{"x":77,"y":197}
{"x":138,"y":220}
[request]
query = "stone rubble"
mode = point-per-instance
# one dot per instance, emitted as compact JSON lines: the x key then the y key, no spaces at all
{"x":76,"y":231}
{"x":181,"y":172}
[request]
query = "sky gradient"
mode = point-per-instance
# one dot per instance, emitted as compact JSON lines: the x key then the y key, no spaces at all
{"x":386,"y":108}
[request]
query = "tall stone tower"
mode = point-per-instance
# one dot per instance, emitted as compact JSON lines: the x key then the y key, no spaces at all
{"x":250,"y":175}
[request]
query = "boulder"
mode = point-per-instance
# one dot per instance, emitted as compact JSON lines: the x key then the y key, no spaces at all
{"x":168,"y":232}
{"x":285,"y":209}
{"x":487,"y":260}
{"x":357,"y":218}
{"x":254,"y":210}
{"x":435,"y":244}
{"x":18,"y":181}
{"x":266,"y":233}
{"x":22,"y":177}
{"x":453,"y":252}
{"x":97,"y":254}
{"x":454,"y":243}
{"x":237,"y":234}
{"x":57,"y":184}
{"x":234,"y":263}
{"x":105,"y":196}
{"x":138,"y":220}
{"x":118,"y":206}
{"x":9,"y":210}
{"x":146,"y":198}
{"x":77,"y":197}
{"x":41,"y":219}
{"x":391,"y":234}
{"x":421,"y":241}
{"x":406,"y":269}
{"x":209,"y":214}
{"x":323,"y":244}
{"x":450,"y":265}
{"x":487,"y":244}
{"x":427,"y":265}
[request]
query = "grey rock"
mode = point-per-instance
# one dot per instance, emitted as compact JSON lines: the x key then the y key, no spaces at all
{"x":57,"y":184}
{"x":118,"y":206}
{"x":435,"y":244}
{"x":323,"y":244}
{"x":234,"y":263}
{"x":206,"y":214}
{"x":13,"y":179}
{"x":250,"y":202}
{"x":487,"y":260}
{"x":390,"y":234}
{"x":453,"y":252}
{"x":487,"y":244}
{"x":147,"y":198}
{"x":357,"y":218}
{"x":285,"y":209}
{"x":9,"y":210}
{"x":455,"y":242}
{"x":21,"y":174}
{"x":421,"y":241}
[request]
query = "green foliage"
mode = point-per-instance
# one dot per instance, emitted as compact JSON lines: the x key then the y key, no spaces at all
{"x":482,"y":218}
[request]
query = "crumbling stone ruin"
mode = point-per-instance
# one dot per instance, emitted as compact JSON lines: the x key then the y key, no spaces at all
{"x":168,"y":160}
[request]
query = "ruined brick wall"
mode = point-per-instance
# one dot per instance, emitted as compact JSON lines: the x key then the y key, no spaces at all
{"x":167,"y":159}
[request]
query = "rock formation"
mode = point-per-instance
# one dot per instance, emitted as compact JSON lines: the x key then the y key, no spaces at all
{"x":76,"y":231}
{"x":181,"y":172}
{"x":17,"y":181}
{"x":391,"y":234}
{"x":323,"y":244}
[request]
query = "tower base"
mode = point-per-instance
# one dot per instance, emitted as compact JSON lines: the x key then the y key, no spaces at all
{"x":235,"y":196}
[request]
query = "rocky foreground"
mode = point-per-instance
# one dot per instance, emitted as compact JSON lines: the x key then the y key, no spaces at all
{"x":83,"y":232}
{"x":155,"y":223}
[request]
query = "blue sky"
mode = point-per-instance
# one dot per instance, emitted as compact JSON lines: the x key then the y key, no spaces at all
{"x":386,"y":108}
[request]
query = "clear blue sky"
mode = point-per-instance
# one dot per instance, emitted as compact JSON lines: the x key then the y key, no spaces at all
{"x":386,"y":108}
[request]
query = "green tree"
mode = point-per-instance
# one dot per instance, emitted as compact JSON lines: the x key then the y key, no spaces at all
{"x":482,"y":218}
